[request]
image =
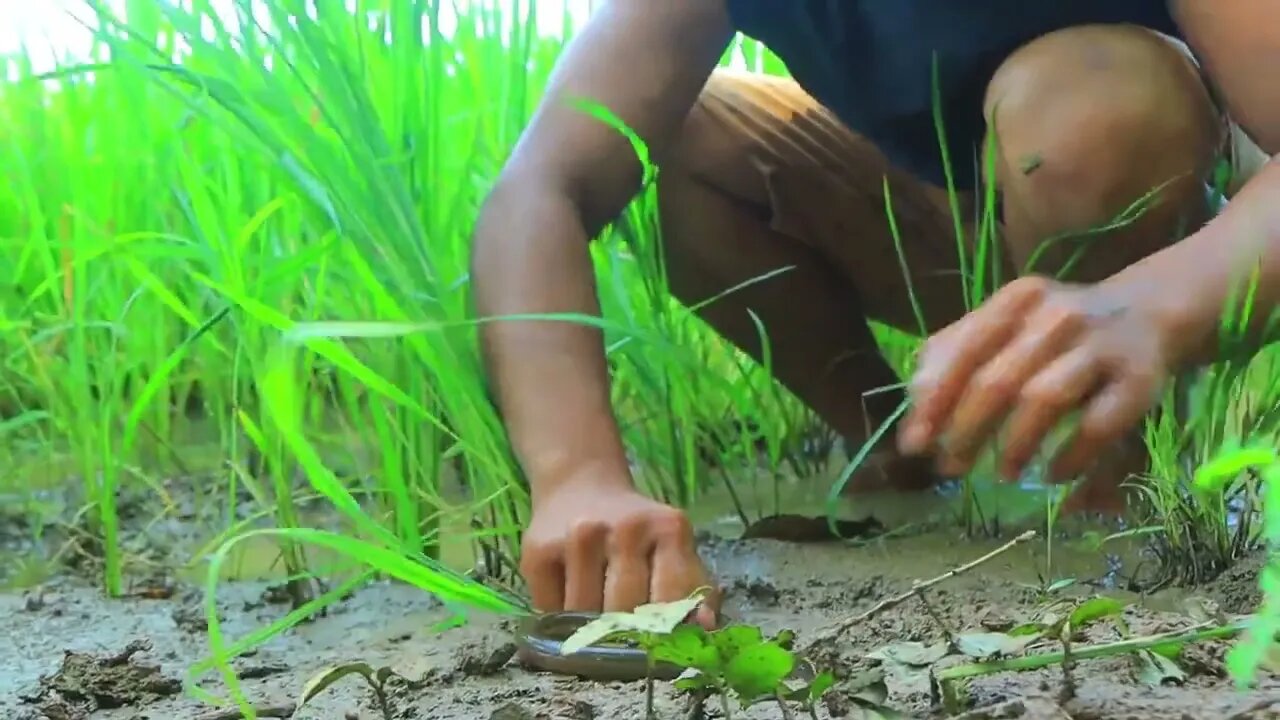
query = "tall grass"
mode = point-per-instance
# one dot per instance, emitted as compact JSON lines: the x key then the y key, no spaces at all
{"x":256,"y":225}
{"x":211,"y":188}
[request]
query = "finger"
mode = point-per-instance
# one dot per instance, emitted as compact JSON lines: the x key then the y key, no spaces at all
{"x":996,"y":385}
{"x":950,"y":359}
{"x":544,"y":573}
{"x":1108,"y":416}
{"x":626,"y":582}
{"x":585,"y":560}
{"x":1044,"y":400}
{"x":677,"y":569}
{"x":708,"y":613}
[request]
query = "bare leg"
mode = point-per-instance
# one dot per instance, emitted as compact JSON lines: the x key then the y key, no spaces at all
{"x":764,"y":179}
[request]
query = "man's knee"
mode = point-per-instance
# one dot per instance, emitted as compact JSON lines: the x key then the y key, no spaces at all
{"x":1091,"y":119}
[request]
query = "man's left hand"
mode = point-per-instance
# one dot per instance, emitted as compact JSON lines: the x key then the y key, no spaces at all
{"x":1036,"y":352}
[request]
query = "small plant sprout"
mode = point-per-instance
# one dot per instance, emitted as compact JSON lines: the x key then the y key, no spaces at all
{"x":736,"y":662}
{"x":1246,"y":658}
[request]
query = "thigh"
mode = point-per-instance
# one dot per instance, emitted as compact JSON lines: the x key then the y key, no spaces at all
{"x":818,"y":183}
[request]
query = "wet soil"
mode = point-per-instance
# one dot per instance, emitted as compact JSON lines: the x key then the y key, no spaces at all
{"x":66,"y":651}
{"x":127,"y":658}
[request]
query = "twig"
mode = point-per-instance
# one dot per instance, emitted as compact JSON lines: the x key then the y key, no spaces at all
{"x":842,"y":626}
{"x":1068,"y":689}
{"x":787,"y":714}
{"x":269,"y":711}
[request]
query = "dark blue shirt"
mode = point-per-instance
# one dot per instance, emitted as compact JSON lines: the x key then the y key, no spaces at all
{"x":871,"y":61}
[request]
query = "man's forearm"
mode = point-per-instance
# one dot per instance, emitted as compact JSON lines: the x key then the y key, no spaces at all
{"x":531,"y":257}
{"x":1193,"y":286}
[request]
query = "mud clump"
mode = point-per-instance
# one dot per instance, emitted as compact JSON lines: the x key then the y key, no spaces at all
{"x":805,"y":529}
{"x":87,"y":683}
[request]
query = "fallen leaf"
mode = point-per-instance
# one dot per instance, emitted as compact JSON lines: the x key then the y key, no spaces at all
{"x":911,"y":653}
{"x":868,"y":693}
{"x":1157,"y":670}
{"x":327,"y":677}
{"x":988,"y":645}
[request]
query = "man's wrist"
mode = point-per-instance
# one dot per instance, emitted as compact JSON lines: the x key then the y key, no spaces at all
{"x":1184,"y":310}
{"x":550,"y":476}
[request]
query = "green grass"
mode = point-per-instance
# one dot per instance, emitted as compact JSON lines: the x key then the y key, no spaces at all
{"x":309,"y":195}
{"x":265,"y":244}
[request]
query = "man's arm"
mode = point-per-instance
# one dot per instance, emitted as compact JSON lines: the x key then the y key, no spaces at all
{"x":1239,"y":45}
{"x":1128,"y":333}
{"x":646,"y":61}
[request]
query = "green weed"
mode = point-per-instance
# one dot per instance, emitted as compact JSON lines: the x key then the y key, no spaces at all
{"x":735,"y":662}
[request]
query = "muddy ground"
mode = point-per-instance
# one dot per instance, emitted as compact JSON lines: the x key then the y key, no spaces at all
{"x":66,"y":652}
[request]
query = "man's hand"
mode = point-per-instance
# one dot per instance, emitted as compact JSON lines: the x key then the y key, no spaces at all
{"x":595,"y":546}
{"x":1036,"y":352}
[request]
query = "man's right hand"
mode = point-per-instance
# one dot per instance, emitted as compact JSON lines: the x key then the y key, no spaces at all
{"x":593,"y":546}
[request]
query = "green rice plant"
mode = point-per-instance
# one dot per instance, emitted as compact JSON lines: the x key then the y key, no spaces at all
{"x":1263,"y":461}
{"x":1200,"y":530}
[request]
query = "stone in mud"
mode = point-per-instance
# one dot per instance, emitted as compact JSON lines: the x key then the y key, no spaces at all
{"x":573,"y":709}
{"x":483,"y":659}
{"x":87,"y":683}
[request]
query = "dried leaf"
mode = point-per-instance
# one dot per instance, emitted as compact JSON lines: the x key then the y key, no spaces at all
{"x":1157,"y":670}
{"x":911,"y":653}
{"x":323,"y":679}
{"x":658,"y":618}
{"x":985,"y":646}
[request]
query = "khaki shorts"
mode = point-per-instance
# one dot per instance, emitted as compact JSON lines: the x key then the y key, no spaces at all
{"x":822,"y":186}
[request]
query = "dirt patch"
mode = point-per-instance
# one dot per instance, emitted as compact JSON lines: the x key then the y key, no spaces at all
{"x":467,"y":672}
{"x":86,"y":683}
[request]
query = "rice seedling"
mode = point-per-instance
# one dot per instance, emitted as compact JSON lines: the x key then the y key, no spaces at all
{"x":239,"y":240}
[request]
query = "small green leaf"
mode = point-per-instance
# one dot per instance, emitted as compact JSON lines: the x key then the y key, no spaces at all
{"x":1031,"y":628}
{"x":1060,"y":584}
{"x":734,"y":639}
{"x":820,"y":685}
{"x":1157,"y":670}
{"x":1095,"y":609}
{"x":758,"y":671}
{"x":1169,"y":650}
{"x":785,"y":638}
{"x":323,"y":679}
{"x":688,"y":646}
{"x":695,"y":682}
{"x":911,"y":653}
{"x":985,"y":646}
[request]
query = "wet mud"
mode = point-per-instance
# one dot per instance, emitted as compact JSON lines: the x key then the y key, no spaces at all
{"x":67,"y":652}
